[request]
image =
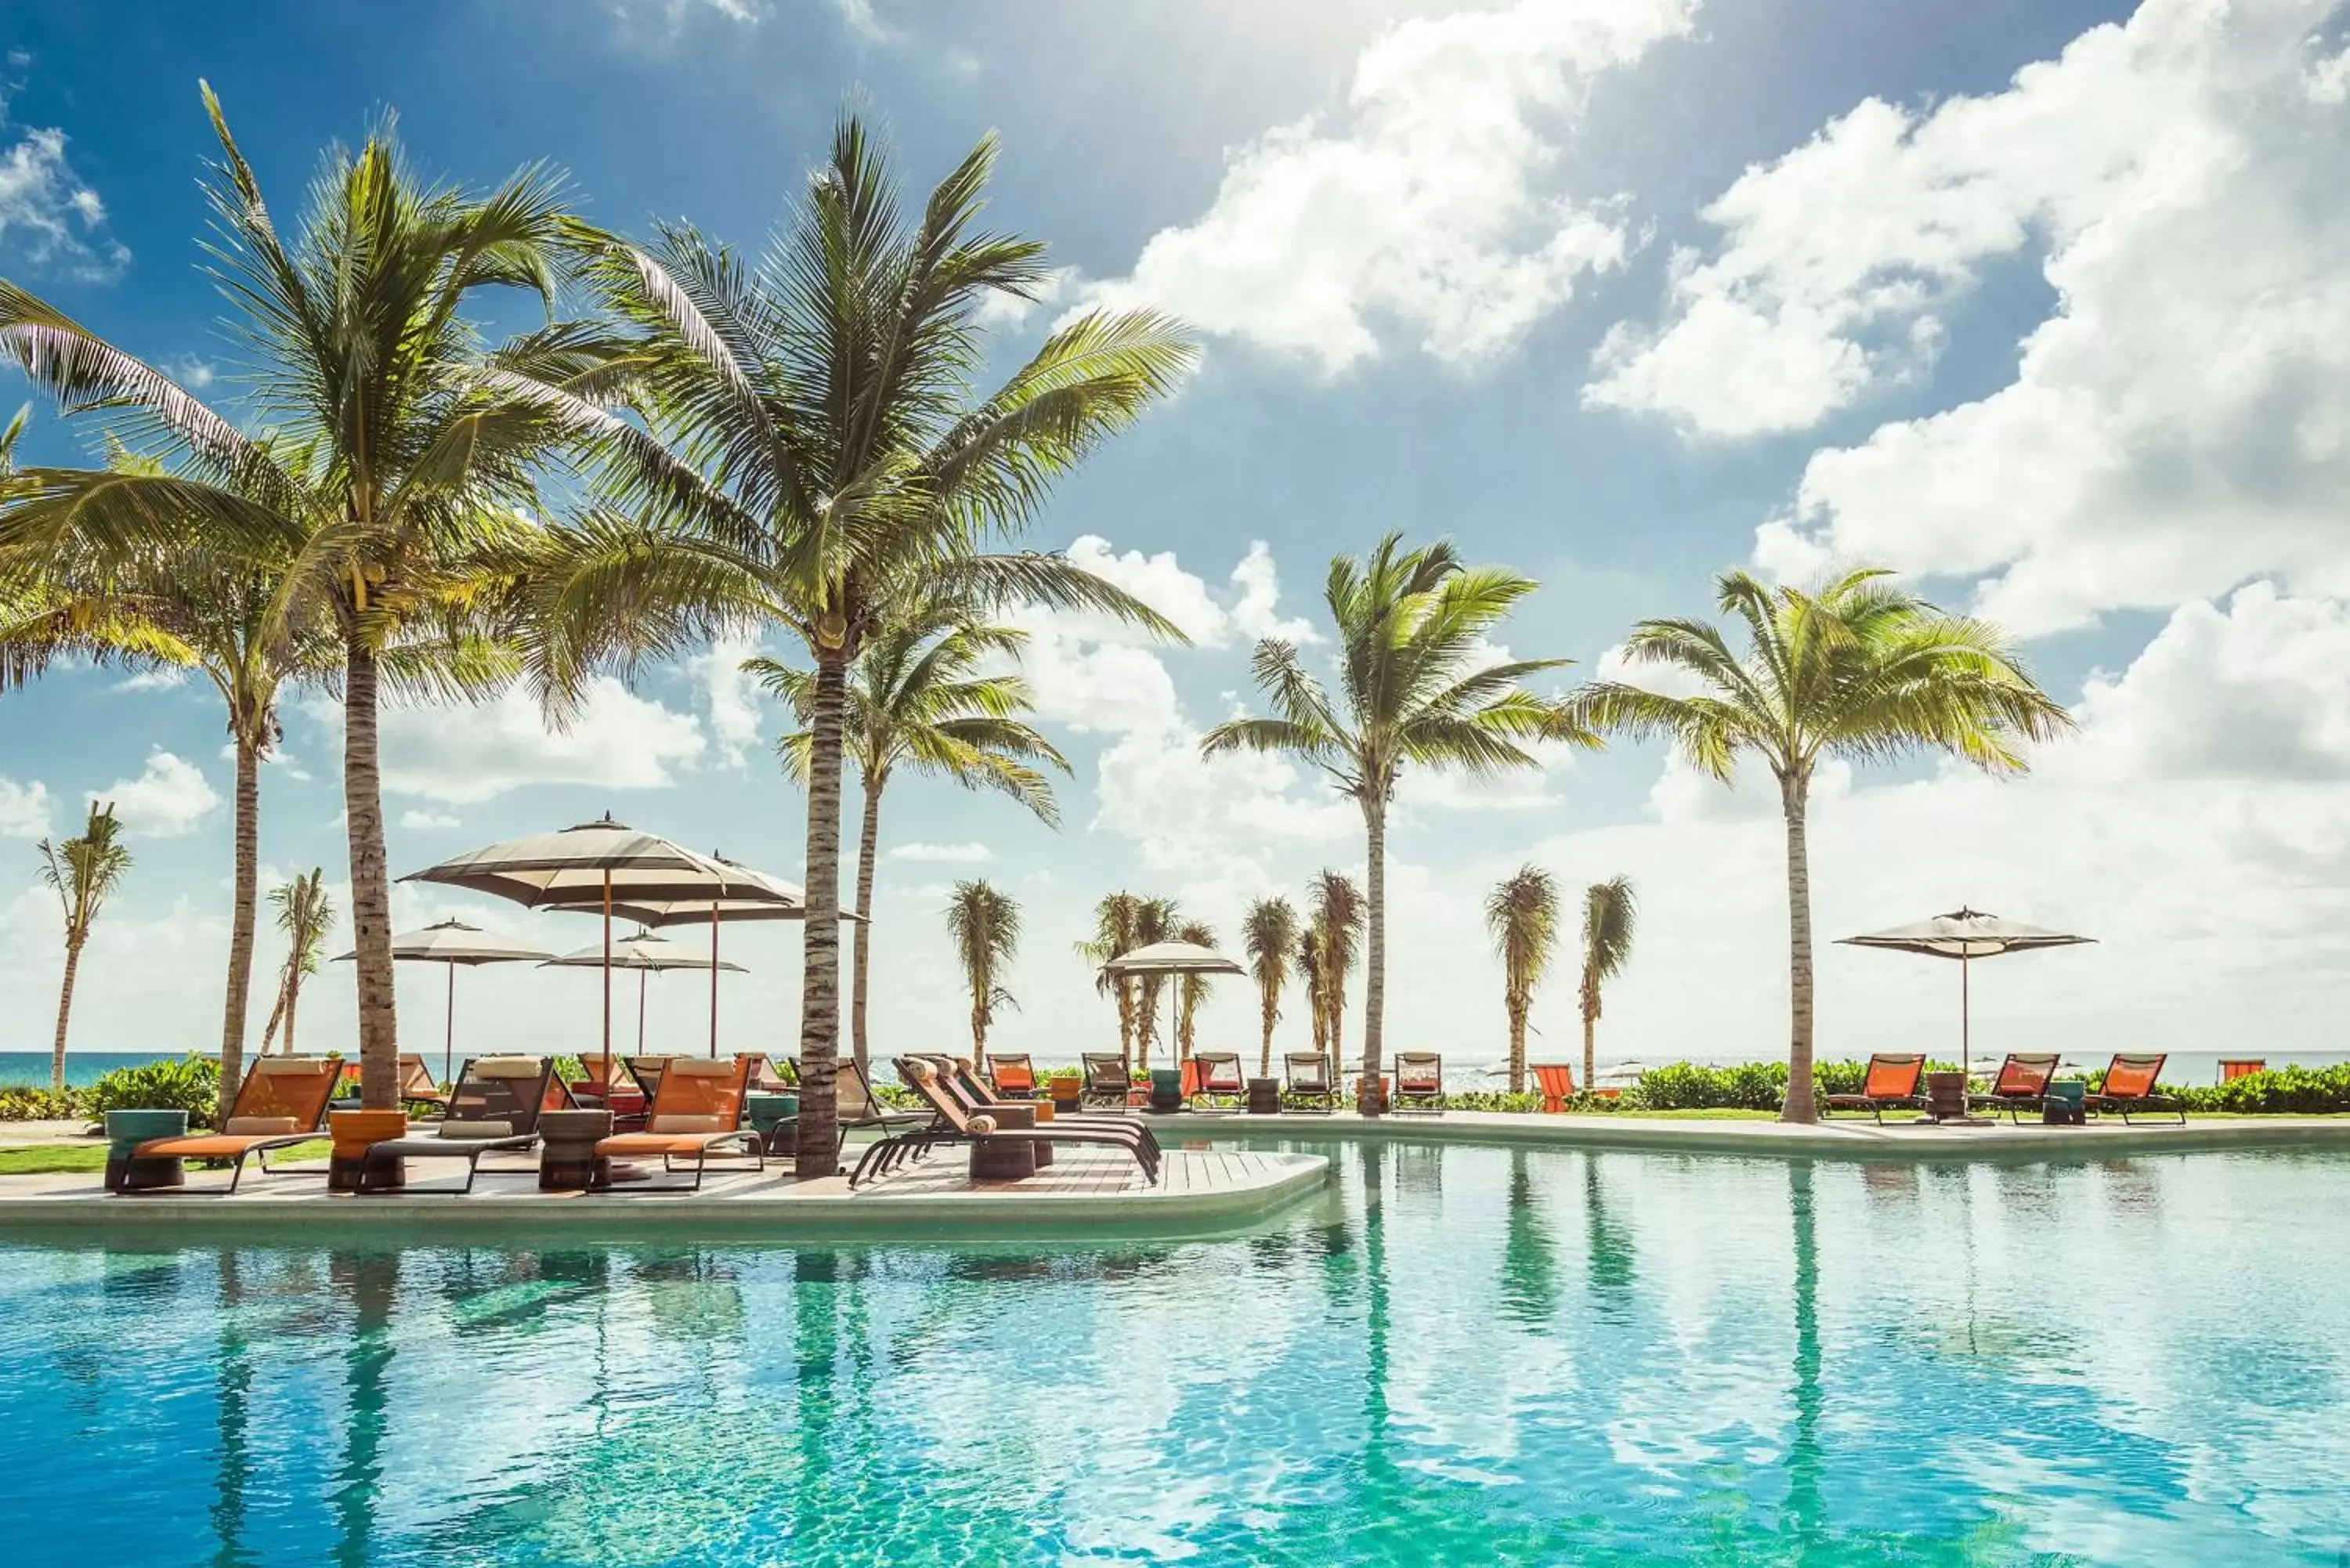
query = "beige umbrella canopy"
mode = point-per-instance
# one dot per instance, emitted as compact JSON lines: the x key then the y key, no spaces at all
{"x":646,"y":954}
{"x":1965,"y":935}
{"x":596,"y":865}
{"x":1171,"y":958}
{"x":454,"y":942}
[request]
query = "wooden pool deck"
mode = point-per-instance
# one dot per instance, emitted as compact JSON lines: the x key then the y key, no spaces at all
{"x":1201,"y":1192}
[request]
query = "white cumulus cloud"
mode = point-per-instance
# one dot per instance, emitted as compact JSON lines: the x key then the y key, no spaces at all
{"x":49,"y":217}
{"x":1431,"y":207}
{"x":170,"y":796}
{"x":24,"y":809}
{"x":944,"y":853}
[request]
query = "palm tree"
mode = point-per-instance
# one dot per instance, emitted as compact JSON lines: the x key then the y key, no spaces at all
{"x":82,"y":872}
{"x":825,"y":463}
{"x":1609,"y":915}
{"x":305,"y":915}
{"x":1190,"y":989}
{"x":1413,"y":626}
{"x":985,"y":925}
{"x":1269,"y":934}
{"x":1155,"y":920}
{"x":1309,"y":974}
{"x":1522,"y":913}
{"x":401,"y":457}
{"x":916,"y":700}
{"x":1858,"y":667}
{"x":1115,"y":918}
{"x":1337,"y":918}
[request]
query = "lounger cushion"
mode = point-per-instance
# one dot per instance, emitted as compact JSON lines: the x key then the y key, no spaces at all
{"x":508,"y":1067}
{"x":294,"y":1066}
{"x":260,"y":1126}
{"x":680,"y":1124}
{"x":701,"y":1068}
{"x":464,"y":1130}
{"x":629,"y":1146}
{"x":214,"y":1145}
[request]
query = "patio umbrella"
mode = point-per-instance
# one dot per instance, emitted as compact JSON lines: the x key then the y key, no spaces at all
{"x":1965,"y":935}
{"x":1171,"y":958}
{"x":646,"y":954}
{"x":594,"y":865}
{"x":454,"y":942}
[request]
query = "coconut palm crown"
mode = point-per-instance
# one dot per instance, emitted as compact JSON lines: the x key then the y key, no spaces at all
{"x":1415,"y":690}
{"x":1610,"y":915}
{"x":1269,"y":936}
{"x":1857,"y":667}
{"x":1522,"y":914}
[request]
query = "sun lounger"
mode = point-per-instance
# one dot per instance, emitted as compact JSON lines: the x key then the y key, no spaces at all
{"x":955,"y":1077}
{"x":977,"y":1128}
{"x":1418,"y":1083}
{"x":1892,"y":1084}
{"x":1013,"y":1076}
{"x":859,"y":1106}
{"x":495,"y":1107}
{"x":417,"y":1086}
{"x":1221,"y":1075}
{"x":1307,"y":1084}
{"x":956,"y":1073}
{"x":698,"y":1111}
{"x":1555,"y":1082}
{"x":623,"y":1097}
{"x":2130,"y":1086}
{"x":1108,"y":1081}
{"x":2021,"y":1086}
{"x":282,"y":1102}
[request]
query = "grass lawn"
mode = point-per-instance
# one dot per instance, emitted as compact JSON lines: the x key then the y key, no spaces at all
{"x":73,"y":1158}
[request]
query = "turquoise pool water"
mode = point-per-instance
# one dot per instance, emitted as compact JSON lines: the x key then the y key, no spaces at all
{"x":1460,"y":1355}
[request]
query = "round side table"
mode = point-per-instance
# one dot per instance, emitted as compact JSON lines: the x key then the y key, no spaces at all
{"x":566,"y":1149}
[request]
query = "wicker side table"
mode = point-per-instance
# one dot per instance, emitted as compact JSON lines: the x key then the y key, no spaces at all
{"x":566,"y":1149}
{"x":1006,"y":1158}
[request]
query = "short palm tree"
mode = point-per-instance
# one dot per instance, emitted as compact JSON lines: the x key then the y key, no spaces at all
{"x":1413,"y":626}
{"x":1115,"y":918}
{"x":918,"y":700}
{"x":1309,"y":975}
{"x":1156,"y":920}
{"x":985,"y":925}
{"x":826,"y":461}
{"x":1609,"y":914}
{"x":1269,"y":936}
{"x":83,"y":871}
{"x":1857,"y":668}
{"x":403,"y":451}
{"x":306,"y":914}
{"x":1522,"y":913}
{"x":1337,"y":906}
{"x":1190,"y":989}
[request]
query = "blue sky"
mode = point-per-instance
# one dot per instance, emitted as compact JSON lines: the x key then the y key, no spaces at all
{"x":2042,"y":302}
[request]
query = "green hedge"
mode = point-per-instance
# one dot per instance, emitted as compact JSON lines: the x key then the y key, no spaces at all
{"x":190,"y":1085}
{"x":24,"y":1103}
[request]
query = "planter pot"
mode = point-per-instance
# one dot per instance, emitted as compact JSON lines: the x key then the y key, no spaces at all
{"x":776,"y":1118}
{"x":354,"y":1132}
{"x":1066,"y":1091}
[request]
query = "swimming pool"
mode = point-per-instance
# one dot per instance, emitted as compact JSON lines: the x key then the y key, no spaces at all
{"x":1459,"y":1356}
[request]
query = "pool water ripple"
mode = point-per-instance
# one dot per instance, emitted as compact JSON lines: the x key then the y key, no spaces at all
{"x":1455,"y":1356}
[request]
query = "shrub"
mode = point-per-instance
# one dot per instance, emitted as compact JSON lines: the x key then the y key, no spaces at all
{"x":25,"y":1103}
{"x":1747,"y":1086}
{"x":191,"y":1084}
{"x":2281,"y":1091}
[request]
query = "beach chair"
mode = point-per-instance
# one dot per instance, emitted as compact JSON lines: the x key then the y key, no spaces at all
{"x":1307,"y":1084}
{"x":1108,"y":1083}
{"x":1014,"y":1077}
{"x":698,"y":1111}
{"x":857,"y":1106}
{"x":1555,"y":1082}
{"x":646,"y":1071}
{"x":623,"y":1097}
{"x":1892,"y":1084}
{"x":1419,"y":1083}
{"x":2130,"y":1086}
{"x":2021,"y":1084}
{"x":962,"y":1124}
{"x":282,"y":1102}
{"x":417,"y":1086}
{"x":495,"y":1107}
{"x":1220,"y":1077}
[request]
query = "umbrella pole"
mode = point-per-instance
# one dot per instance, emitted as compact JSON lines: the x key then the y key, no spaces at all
{"x":1966,"y":1012}
{"x":607,"y":1077}
{"x":449,"y":1029}
{"x":713,"y":982}
{"x":641,"y":1010}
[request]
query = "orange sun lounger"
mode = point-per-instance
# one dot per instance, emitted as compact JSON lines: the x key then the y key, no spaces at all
{"x":1556,"y":1082}
{"x":698,"y":1109}
{"x":282,"y":1102}
{"x":1891,"y":1086}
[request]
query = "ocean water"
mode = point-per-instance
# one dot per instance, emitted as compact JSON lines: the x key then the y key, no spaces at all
{"x":83,"y":1068}
{"x":1453,"y":1355}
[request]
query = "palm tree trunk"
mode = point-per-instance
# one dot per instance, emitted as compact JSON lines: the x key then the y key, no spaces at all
{"x":276,"y":1015}
{"x":240,"y":935}
{"x":867,"y":842}
{"x":1270,"y":1011}
{"x":1125,"y":1022}
{"x":293,"y":1001}
{"x":1516,"y":1005}
{"x":370,"y":889}
{"x":1800,"y":1106}
{"x":819,"y":1128}
{"x":1374,"y":981}
{"x":1590,"y":1056}
{"x":64,"y":1010}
